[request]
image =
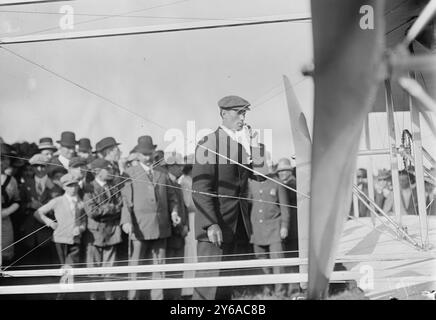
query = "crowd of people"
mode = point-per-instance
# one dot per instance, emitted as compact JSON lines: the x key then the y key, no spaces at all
{"x":70,"y":205}
{"x":384,"y":196}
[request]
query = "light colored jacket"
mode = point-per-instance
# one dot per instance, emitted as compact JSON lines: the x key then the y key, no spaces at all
{"x":66,"y":219}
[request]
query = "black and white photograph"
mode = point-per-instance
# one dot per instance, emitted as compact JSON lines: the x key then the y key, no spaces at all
{"x":236,"y":151}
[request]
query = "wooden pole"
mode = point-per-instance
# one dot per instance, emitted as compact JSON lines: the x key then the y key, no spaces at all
{"x":303,"y":148}
{"x":419,"y":170}
{"x":370,"y":174}
{"x":393,"y":151}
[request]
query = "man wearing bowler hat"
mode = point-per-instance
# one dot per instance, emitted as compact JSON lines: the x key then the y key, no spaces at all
{"x":150,"y":206}
{"x":108,"y":149}
{"x":46,"y":147}
{"x":222,"y":222}
{"x":67,"y":151}
{"x":84,"y":149}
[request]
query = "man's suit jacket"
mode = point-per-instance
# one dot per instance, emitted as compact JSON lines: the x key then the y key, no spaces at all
{"x":179,"y":232}
{"x":148,"y":204}
{"x":103,"y":211}
{"x":30,"y":223}
{"x":215,"y":175}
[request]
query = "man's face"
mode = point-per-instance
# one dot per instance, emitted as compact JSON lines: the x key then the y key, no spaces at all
{"x":71,"y":189}
{"x":40,"y":170}
{"x":284,"y":175}
{"x":147,"y":159}
{"x":234,"y":119}
{"x":360,"y":177}
{"x":114,"y":154}
{"x":48,"y":153}
{"x":84,"y":155}
{"x":67,"y":152}
{"x":106,"y":174}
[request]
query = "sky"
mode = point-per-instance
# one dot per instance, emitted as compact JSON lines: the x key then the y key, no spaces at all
{"x":167,"y":78}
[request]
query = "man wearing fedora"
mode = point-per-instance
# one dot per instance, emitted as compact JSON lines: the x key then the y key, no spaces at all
{"x":222,"y":222}
{"x":67,"y":151}
{"x":108,"y":149}
{"x":103,"y":207}
{"x":149,"y":209}
{"x":46,"y":147}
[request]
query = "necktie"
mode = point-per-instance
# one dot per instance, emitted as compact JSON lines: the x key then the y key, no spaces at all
{"x":150,"y":175}
{"x":39,"y":187}
{"x":108,"y":192}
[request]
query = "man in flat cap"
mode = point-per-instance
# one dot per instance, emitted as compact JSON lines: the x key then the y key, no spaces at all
{"x":221,"y":222}
{"x":36,"y":192}
{"x":103,"y":208}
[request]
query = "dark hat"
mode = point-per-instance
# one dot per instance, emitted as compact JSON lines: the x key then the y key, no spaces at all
{"x":85,"y":145}
{"x":77,"y":162}
{"x":6,"y":150}
{"x":39,"y":159}
{"x":46,"y":143}
{"x":233,"y":102}
{"x":101,"y":164}
{"x":68,"y":139}
{"x":105,"y":143}
{"x":68,"y":179}
{"x":145,"y":145}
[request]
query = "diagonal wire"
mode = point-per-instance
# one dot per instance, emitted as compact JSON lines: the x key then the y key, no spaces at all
{"x":108,"y":17}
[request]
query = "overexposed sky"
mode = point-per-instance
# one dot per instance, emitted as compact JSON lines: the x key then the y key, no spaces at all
{"x":168,"y":78}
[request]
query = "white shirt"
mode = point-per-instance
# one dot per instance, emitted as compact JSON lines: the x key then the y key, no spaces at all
{"x":65,"y":162}
{"x":41,"y":181}
{"x":73,"y":203}
{"x":101,"y":183}
{"x":241,"y":136}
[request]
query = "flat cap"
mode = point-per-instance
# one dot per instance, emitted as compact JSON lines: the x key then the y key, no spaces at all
{"x":68,"y":179}
{"x":39,"y":159}
{"x":77,"y":162}
{"x":101,"y":163}
{"x":233,"y":102}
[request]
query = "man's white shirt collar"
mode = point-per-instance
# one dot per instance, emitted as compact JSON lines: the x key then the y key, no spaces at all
{"x":240,"y":136}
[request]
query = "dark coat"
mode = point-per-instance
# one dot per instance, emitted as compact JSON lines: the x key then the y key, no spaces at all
{"x":215,"y":175}
{"x":179,"y":232}
{"x":103,"y":215}
{"x":148,"y":204}
{"x":56,"y":166}
{"x":267,"y":218}
{"x":30,"y":224}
